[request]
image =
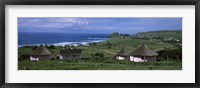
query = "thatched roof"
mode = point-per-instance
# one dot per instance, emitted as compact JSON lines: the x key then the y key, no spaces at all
{"x":41,"y":50}
{"x":143,"y":50}
{"x":70,"y":51}
{"x":121,"y":52}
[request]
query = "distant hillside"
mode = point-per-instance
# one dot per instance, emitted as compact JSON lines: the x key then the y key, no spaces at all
{"x":117,"y":35}
{"x":164,"y":35}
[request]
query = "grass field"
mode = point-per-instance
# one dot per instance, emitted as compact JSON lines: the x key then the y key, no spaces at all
{"x":108,"y":63}
{"x":128,"y":44}
{"x":97,"y":65}
{"x":163,"y":34}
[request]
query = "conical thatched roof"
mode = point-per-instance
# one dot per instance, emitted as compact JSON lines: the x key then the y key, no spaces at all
{"x":121,"y":52}
{"x":41,"y":50}
{"x":143,"y":50}
{"x":71,"y":51}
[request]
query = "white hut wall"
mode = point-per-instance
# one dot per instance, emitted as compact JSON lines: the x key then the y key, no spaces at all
{"x":42,"y":57}
{"x":60,"y":57}
{"x":120,"y":57}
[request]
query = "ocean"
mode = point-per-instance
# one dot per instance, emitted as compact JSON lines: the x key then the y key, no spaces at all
{"x":59,"y":39}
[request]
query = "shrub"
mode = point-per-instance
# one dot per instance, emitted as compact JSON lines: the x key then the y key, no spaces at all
{"x":53,"y":58}
{"x":85,"y":59}
{"x":151,"y":67}
{"x":173,"y":54}
{"x":24,"y":57}
{"x":51,"y":47}
{"x":157,"y":63}
{"x":109,"y":60}
{"x":97,"y":56}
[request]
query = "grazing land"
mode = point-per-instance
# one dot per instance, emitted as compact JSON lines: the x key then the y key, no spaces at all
{"x":165,"y":43}
{"x":97,"y":65}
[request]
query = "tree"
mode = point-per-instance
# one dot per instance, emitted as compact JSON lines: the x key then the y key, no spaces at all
{"x":98,"y":55}
{"x":52,"y":47}
{"x":114,"y":34}
{"x":109,"y":47}
{"x":170,"y":54}
{"x":126,"y":35}
{"x":24,"y":57}
{"x":108,"y":43}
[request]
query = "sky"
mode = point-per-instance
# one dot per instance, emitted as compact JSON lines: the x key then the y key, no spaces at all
{"x":98,"y":25}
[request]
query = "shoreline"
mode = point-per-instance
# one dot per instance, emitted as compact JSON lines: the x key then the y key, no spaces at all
{"x":84,"y":43}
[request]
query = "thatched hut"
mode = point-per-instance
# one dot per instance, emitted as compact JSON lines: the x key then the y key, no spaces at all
{"x":121,"y":55}
{"x":143,"y":54}
{"x":40,"y":53}
{"x":68,"y":54}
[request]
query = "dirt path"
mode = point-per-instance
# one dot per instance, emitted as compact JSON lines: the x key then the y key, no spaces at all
{"x":107,"y":51}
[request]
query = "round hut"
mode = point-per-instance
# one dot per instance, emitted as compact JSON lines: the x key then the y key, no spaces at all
{"x":143,"y":54}
{"x":40,"y":53}
{"x":121,"y":55}
{"x":68,"y":54}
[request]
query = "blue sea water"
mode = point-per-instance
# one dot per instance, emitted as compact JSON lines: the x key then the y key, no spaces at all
{"x":59,"y":39}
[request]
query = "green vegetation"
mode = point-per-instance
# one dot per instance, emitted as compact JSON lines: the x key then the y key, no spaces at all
{"x":161,"y":34}
{"x":95,"y":57}
{"x":97,"y":65}
{"x":116,"y":35}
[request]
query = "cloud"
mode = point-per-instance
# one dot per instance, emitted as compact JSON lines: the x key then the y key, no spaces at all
{"x":99,"y":27}
{"x":100,"y":20}
{"x":124,"y":25}
{"x":54,"y":23}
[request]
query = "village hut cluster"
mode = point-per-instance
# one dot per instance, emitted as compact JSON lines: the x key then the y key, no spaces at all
{"x":140,"y":54}
{"x":42,"y":53}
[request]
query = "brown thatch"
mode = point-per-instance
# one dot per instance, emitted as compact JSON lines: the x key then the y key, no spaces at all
{"x":71,"y":52}
{"x":121,"y":53}
{"x":41,"y":50}
{"x":143,"y":50}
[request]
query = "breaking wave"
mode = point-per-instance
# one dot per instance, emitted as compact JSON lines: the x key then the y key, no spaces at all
{"x":83,"y":43}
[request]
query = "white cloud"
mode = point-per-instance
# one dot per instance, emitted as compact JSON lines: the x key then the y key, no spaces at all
{"x":100,"y":27}
{"x":55,"y":23}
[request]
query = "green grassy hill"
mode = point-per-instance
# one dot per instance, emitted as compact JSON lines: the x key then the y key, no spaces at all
{"x":155,"y":40}
{"x":175,"y":34}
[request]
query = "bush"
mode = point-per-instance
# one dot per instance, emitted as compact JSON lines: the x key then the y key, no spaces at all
{"x":98,"y":56}
{"x":53,"y":58}
{"x":51,"y":47}
{"x":173,"y":54}
{"x":151,"y":67}
{"x":57,"y":57}
{"x":109,"y":60}
{"x":24,"y":57}
{"x":157,"y":63}
{"x":67,"y":60}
